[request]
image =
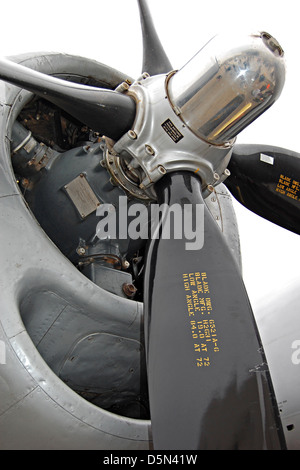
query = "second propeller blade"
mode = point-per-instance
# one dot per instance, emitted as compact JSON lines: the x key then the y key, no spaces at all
{"x":266,"y":180}
{"x":105,"y":111}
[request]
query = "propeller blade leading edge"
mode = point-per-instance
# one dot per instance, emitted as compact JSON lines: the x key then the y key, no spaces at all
{"x":209,"y":384}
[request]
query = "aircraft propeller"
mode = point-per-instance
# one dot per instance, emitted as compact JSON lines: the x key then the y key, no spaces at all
{"x":209,"y":384}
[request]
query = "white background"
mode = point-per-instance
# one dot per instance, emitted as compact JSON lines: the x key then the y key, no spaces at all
{"x":109,"y":31}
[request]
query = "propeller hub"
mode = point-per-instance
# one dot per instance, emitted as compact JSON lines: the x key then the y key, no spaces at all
{"x":160,"y":142}
{"x":188,"y":119}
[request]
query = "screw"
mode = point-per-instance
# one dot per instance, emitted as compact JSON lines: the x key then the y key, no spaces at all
{"x":132,"y":134}
{"x":162,"y":170}
{"x":177,"y":110}
{"x":129,"y":290}
{"x":25,"y":182}
{"x":149,"y":149}
{"x":125,"y":264}
{"x":124,"y":86}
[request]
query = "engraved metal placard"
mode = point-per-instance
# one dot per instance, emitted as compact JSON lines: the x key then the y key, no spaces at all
{"x":82,"y":196}
{"x":172,"y":131}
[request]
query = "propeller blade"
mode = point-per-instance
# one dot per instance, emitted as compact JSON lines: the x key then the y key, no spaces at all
{"x":105,"y":111}
{"x":266,"y":180}
{"x":209,"y":384}
{"x":155,"y":60}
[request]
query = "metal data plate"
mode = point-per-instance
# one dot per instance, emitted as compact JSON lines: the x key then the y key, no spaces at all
{"x":82,"y":196}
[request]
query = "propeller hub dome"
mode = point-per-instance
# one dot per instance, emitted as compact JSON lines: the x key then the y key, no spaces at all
{"x":227,"y":85}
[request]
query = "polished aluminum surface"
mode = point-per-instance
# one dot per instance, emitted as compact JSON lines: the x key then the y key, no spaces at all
{"x":227,"y":85}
